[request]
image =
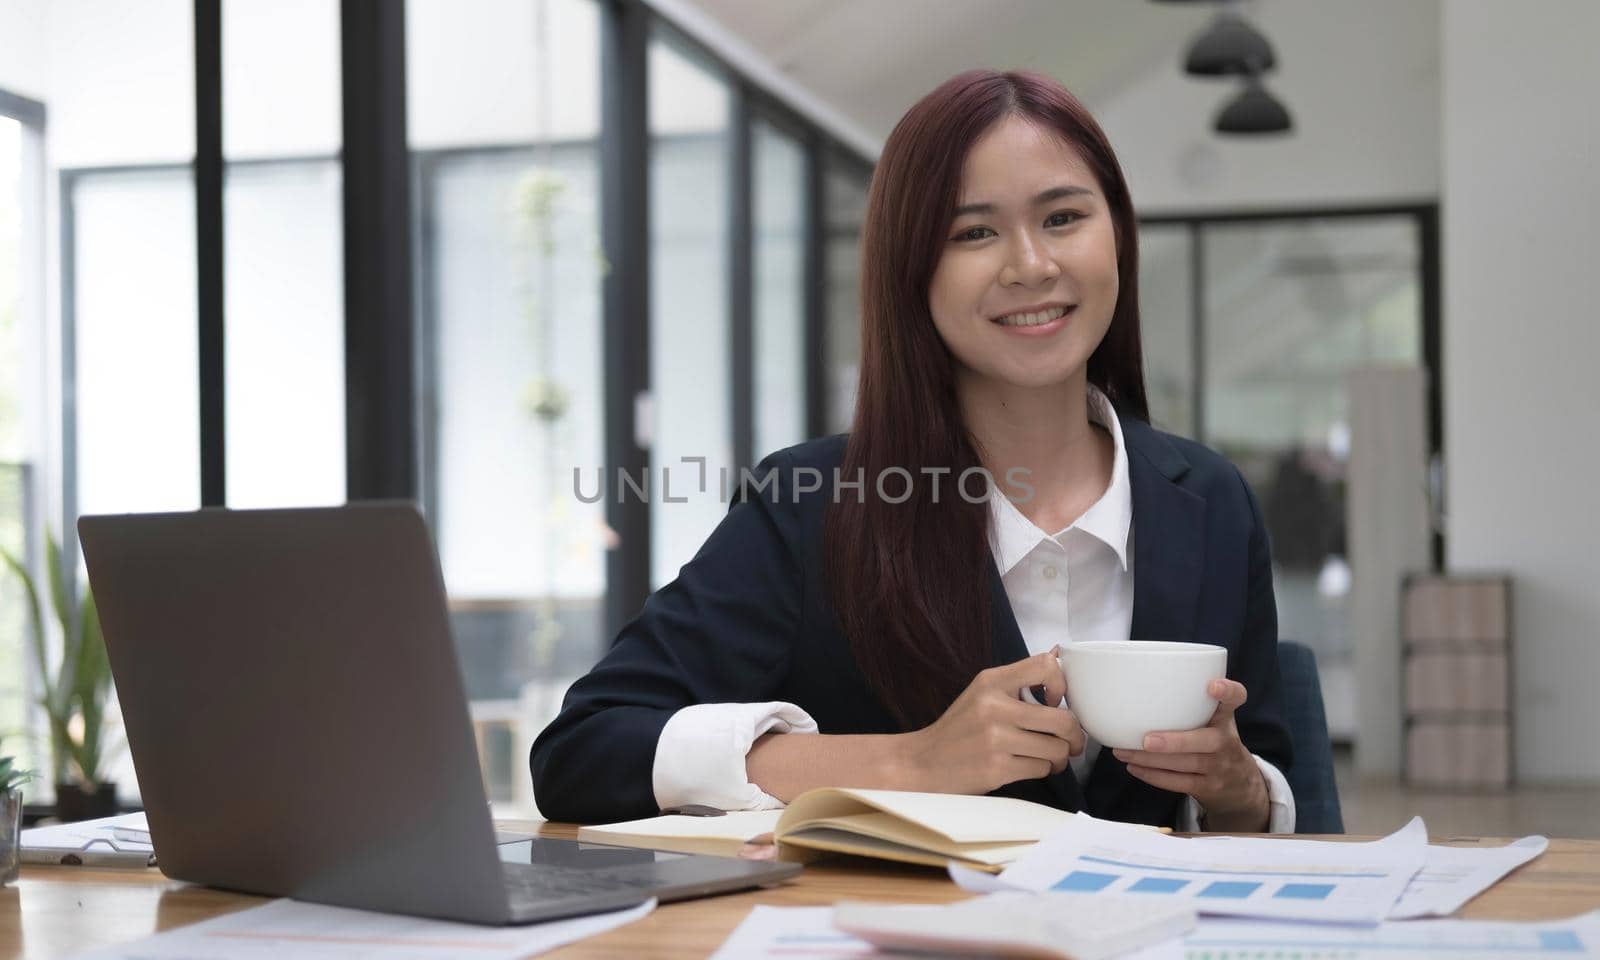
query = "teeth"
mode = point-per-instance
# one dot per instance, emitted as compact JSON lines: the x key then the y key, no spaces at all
{"x":1031,"y":319}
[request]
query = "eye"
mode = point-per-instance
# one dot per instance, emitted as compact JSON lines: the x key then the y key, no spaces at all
{"x":971,"y":234}
{"x":1072,"y":214}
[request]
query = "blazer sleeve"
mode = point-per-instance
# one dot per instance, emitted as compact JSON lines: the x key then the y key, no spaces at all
{"x":1261,"y":720}
{"x":722,"y":631}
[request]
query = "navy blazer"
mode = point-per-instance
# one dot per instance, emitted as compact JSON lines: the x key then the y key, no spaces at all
{"x":748,"y":620}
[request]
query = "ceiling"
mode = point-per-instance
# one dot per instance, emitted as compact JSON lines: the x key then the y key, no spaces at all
{"x":872,"y":59}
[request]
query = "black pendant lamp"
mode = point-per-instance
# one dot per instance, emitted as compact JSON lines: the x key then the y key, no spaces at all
{"x":1254,"y":111}
{"x":1229,"y":47}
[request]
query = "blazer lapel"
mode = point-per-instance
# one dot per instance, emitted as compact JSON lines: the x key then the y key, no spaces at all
{"x":1168,"y":552}
{"x":1009,"y":647}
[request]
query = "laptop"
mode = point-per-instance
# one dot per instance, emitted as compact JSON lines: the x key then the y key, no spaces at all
{"x":299,"y":727}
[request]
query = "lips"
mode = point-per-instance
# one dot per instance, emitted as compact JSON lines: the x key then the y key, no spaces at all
{"x":1039,"y":316}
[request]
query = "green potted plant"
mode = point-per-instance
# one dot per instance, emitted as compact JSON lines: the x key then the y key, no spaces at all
{"x":74,"y":694}
{"x":11,"y":781}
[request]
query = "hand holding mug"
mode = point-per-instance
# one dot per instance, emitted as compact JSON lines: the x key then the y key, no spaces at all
{"x":990,"y":736}
{"x":1210,"y":764}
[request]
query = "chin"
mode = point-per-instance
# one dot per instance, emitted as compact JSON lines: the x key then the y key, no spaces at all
{"x":1035,"y":379}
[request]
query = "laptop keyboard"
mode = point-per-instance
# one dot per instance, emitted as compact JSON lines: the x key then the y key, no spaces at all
{"x":547,"y":883}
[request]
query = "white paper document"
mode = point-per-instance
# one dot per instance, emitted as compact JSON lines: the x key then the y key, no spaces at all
{"x":311,"y":931}
{"x":808,"y":933}
{"x":1243,"y":877}
{"x":1229,"y":939}
{"x":1450,"y":876}
{"x":1453,"y":875}
{"x":790,"y":933}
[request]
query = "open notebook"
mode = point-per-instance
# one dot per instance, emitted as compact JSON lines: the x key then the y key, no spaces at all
{"x":981,"y":832}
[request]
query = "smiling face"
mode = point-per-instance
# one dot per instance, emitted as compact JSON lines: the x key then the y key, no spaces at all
{"x":1027,"y":281}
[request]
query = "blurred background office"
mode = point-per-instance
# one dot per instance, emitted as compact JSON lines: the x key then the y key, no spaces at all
{"x":487,"y":253}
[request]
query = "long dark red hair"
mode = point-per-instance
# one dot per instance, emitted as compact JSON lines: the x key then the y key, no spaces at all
{"x":907,"y":580}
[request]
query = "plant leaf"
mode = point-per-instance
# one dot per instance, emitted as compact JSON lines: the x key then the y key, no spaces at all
{"x":62,"y":701}
{"x":93,"y":682}
{"x":58,"y":582}
{"x":60,"y":747}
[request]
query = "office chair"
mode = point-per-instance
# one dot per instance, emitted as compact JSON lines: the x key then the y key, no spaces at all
{"x":1316,"y":795}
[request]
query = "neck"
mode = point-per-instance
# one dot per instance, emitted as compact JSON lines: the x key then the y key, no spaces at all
{"x":1043,"y":430}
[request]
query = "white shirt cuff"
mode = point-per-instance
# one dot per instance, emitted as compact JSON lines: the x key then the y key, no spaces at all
{"x":700,"y":755}
{"x":1280,"y":802}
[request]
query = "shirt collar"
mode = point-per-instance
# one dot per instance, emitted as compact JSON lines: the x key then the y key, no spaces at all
{"x":1013,"y":536}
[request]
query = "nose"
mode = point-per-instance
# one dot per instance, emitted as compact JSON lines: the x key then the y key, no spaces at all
{"x":1028,"y":263}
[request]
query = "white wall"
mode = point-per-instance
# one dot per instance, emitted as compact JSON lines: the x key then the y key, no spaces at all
{"x":1521,"y":337}
{"x":1360,"y":79}
{"x":22,"y":47}
{"x":121,"y":86}
{"x":471,"y":69}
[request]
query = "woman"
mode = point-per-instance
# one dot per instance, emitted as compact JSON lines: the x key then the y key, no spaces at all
{"x":873,"y":587}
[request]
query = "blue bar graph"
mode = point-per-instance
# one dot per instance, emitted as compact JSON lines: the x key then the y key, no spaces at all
{"x":1559,"y":940}
{"x":1082,"y":881}
{"x":1304,"y":891}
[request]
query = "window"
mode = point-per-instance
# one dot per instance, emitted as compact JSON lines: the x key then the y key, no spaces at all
{"x":503,"y":111}
{"x":21,"y":406}
{"x":690,"y":342}
{"x":100,"y":387}
{"x":283,"y":275}
{"x":1290,"y":307}
{"x":779,"y":212}
{"x":845,"y":210}
{"x":1166,"y":326}
{"x":133,"y":324}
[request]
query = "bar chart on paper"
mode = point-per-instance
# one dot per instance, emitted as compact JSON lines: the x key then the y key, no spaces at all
{"x":1276,"y":879}
{"x":1237,"y":884}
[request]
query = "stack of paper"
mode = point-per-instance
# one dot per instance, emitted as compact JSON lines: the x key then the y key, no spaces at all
{"x":1282,"y":879}
{"x":1317,"y":880}
{"x":1453,"y":875}
{"x":1263,"y":897}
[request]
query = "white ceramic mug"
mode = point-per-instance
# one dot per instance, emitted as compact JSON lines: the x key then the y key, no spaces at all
{"x":1121,"y":690}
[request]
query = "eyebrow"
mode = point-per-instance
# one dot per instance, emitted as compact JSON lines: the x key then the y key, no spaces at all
{"x":1054,"y":193}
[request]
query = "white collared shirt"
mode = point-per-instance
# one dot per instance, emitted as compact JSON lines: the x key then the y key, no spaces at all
{"x":1066,"y":587}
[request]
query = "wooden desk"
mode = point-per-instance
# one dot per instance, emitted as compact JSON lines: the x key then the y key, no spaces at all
{"x":55,"y":911}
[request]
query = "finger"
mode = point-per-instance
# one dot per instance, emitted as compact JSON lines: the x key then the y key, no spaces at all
{"x":1203,"y":740}
{"x":1025,"y":768}
{"x":1052,"y":750}
{"x":1230,"y":696}
{"x":1055,"y":721}
{"x":1040,"y":670}
{"x":1186,"y":783}
{"x":1176,"y":762}
{"x":1055,"y":686}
